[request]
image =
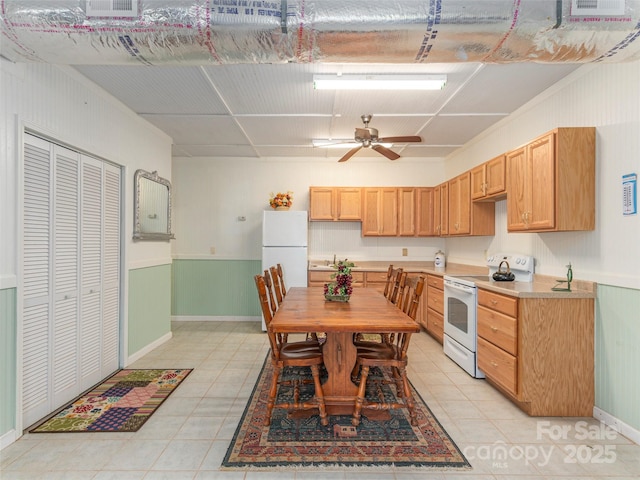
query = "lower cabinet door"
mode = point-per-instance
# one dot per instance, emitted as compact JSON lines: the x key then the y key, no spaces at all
{"x":498,"y":365}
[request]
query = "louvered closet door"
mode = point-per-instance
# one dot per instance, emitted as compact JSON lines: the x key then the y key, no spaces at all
{"x":36,"y":300}
{"x":71,"y":285}
{"x":66,"y":256}
{"x":91,"y":276}
{"x":111,"y":270}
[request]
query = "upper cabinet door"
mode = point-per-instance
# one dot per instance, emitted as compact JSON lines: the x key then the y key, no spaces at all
{"x":425,"y":225}
{"x":349,"y":201}
{"x":518,"y":188}
{"x":495,"y":177}
{"x":380,"y":212}
{"x":406,"y":211}
{"x":322,"y":203}
{"x":541,"y":212}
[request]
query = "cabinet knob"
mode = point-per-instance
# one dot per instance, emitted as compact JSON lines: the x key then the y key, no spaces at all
{"x":494,"y":302}
{"x":494,"y":329}
{"x":494,"y":364}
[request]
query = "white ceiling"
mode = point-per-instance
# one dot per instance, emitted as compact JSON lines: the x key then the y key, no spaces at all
{"x":272,"y":110}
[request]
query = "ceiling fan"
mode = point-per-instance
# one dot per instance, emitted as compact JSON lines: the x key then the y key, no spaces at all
{"x":368,"y":137}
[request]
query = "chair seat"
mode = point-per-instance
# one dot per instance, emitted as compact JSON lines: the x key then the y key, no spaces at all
{"x":364,"y":347}
{"x":299,"y":351}
{"x":386,"y":353}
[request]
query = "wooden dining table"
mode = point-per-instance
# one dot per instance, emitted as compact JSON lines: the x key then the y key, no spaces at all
{"x":368,"y":311}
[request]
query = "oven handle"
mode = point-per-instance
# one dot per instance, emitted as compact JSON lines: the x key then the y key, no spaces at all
{"x":461,"y":288}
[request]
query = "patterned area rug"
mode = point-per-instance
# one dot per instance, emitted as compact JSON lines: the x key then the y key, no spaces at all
{"x":122,"y":403}
{"x":306,"y":443}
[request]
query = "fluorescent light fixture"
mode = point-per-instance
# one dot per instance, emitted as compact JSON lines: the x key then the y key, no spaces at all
{"x":379,"y":82}
{"x":343,"y":144}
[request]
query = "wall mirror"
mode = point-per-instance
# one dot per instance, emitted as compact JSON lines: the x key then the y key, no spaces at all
{"x":152,"y":207}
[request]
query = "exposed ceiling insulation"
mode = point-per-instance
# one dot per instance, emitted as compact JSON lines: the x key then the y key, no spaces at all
{"x":210,"y":32}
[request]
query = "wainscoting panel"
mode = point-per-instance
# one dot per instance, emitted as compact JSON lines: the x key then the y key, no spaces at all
{"x":149,"y":306}
{"x":7,"y":359}
{"x":617,"y":353}
{"x":215,"y":287}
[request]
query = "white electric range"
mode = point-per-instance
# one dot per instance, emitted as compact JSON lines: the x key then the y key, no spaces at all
{"x":460,"y":307}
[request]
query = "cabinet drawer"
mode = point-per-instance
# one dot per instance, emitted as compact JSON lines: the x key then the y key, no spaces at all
{"x":376,"y":277}
{"x":499,"y":329}
{"x":498,"y":365}
{"x":435,"y":324}
{"x":322,"y":276}
{"x":435,"y":300}
{"x":434,"y":281}
{"x":501,"y":303}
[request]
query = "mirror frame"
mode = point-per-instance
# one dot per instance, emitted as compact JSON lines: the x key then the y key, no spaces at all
{"x":138,"y":234}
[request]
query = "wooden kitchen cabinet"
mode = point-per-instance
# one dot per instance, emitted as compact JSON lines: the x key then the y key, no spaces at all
{"x":435,"y":307}
{"x":425,"y":222}
{"x":406,"y":211}
{"x":335,"y":204}
{"x":465,"y":217}
{"x":380,"y":212}
{"x":551,"y":182}
{"x":317,"y":278}
{"x":488,"y":181}
{"x":441,"y":209}
{"x":539,"y":352}
{"x":377,"y":280}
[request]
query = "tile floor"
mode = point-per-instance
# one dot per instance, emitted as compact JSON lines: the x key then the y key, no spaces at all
{"x":188,"y":437}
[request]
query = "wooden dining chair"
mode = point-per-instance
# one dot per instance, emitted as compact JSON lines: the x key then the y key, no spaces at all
{"x":397,"y":286}
{"x":283,"y":289}
{"x":273,"y":303}
{"x":275,"y":278}
{"x":391,"y":356}
{"x":394,"y":275}
{"x":291,"y":354}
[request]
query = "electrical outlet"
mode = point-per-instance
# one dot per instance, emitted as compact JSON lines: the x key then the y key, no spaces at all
{"x":405,"y":252}
{"x":212,"y":250}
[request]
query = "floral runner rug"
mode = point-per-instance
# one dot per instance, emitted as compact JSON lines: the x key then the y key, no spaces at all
{"x":122,"y":403}
{"x":296,"y":442}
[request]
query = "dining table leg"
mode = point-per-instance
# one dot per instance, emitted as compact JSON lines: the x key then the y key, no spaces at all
{"x":339,"y":354}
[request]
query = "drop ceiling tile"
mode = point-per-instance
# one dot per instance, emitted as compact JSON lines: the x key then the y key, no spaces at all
{"x":213,"y":151}
{"x":504,"y":88}
{"x":292,"y":131}
{"x":200,"y":129}
{"x":456,"y":130}
{"x":170,"y":90}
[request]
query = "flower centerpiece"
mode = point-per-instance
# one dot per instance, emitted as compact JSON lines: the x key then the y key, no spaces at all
{"x":281,"y":201}
{"x":340,"y":289}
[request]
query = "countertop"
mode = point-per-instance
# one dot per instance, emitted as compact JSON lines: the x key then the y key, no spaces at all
{"x":539,"y":288}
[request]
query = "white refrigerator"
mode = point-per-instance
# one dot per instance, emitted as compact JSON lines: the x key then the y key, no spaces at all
{"x":285,"y":241}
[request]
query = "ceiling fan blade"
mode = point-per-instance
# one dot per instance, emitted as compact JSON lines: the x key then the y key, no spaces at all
{"x":407,"y":139}
{"x":390,"y":154}
{"x":349,"y":154}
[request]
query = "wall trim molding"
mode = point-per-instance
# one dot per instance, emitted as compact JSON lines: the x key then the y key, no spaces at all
{"x":8,"y":438}
{"x":8,"y":281}
{"x":151,"y":262}
{"x":616,"y":424}
{"x":143,"y":351}
{"x":214,"y":318}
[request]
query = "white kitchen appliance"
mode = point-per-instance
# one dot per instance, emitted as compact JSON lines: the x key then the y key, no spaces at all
{"x":460,"y":308}
{"x":285,"y":241}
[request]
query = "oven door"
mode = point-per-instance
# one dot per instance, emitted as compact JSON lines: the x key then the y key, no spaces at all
{"x":460,"y":303}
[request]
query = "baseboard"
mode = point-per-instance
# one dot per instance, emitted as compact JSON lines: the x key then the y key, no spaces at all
{"x":214,"y":318}
{"x":143,"y":351}
{"x":618,"y":425}
{"x":7,"y":439}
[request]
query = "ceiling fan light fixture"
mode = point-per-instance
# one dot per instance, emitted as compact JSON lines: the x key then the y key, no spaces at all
{"x":343,"y":144}
{"x":379,"y":82}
